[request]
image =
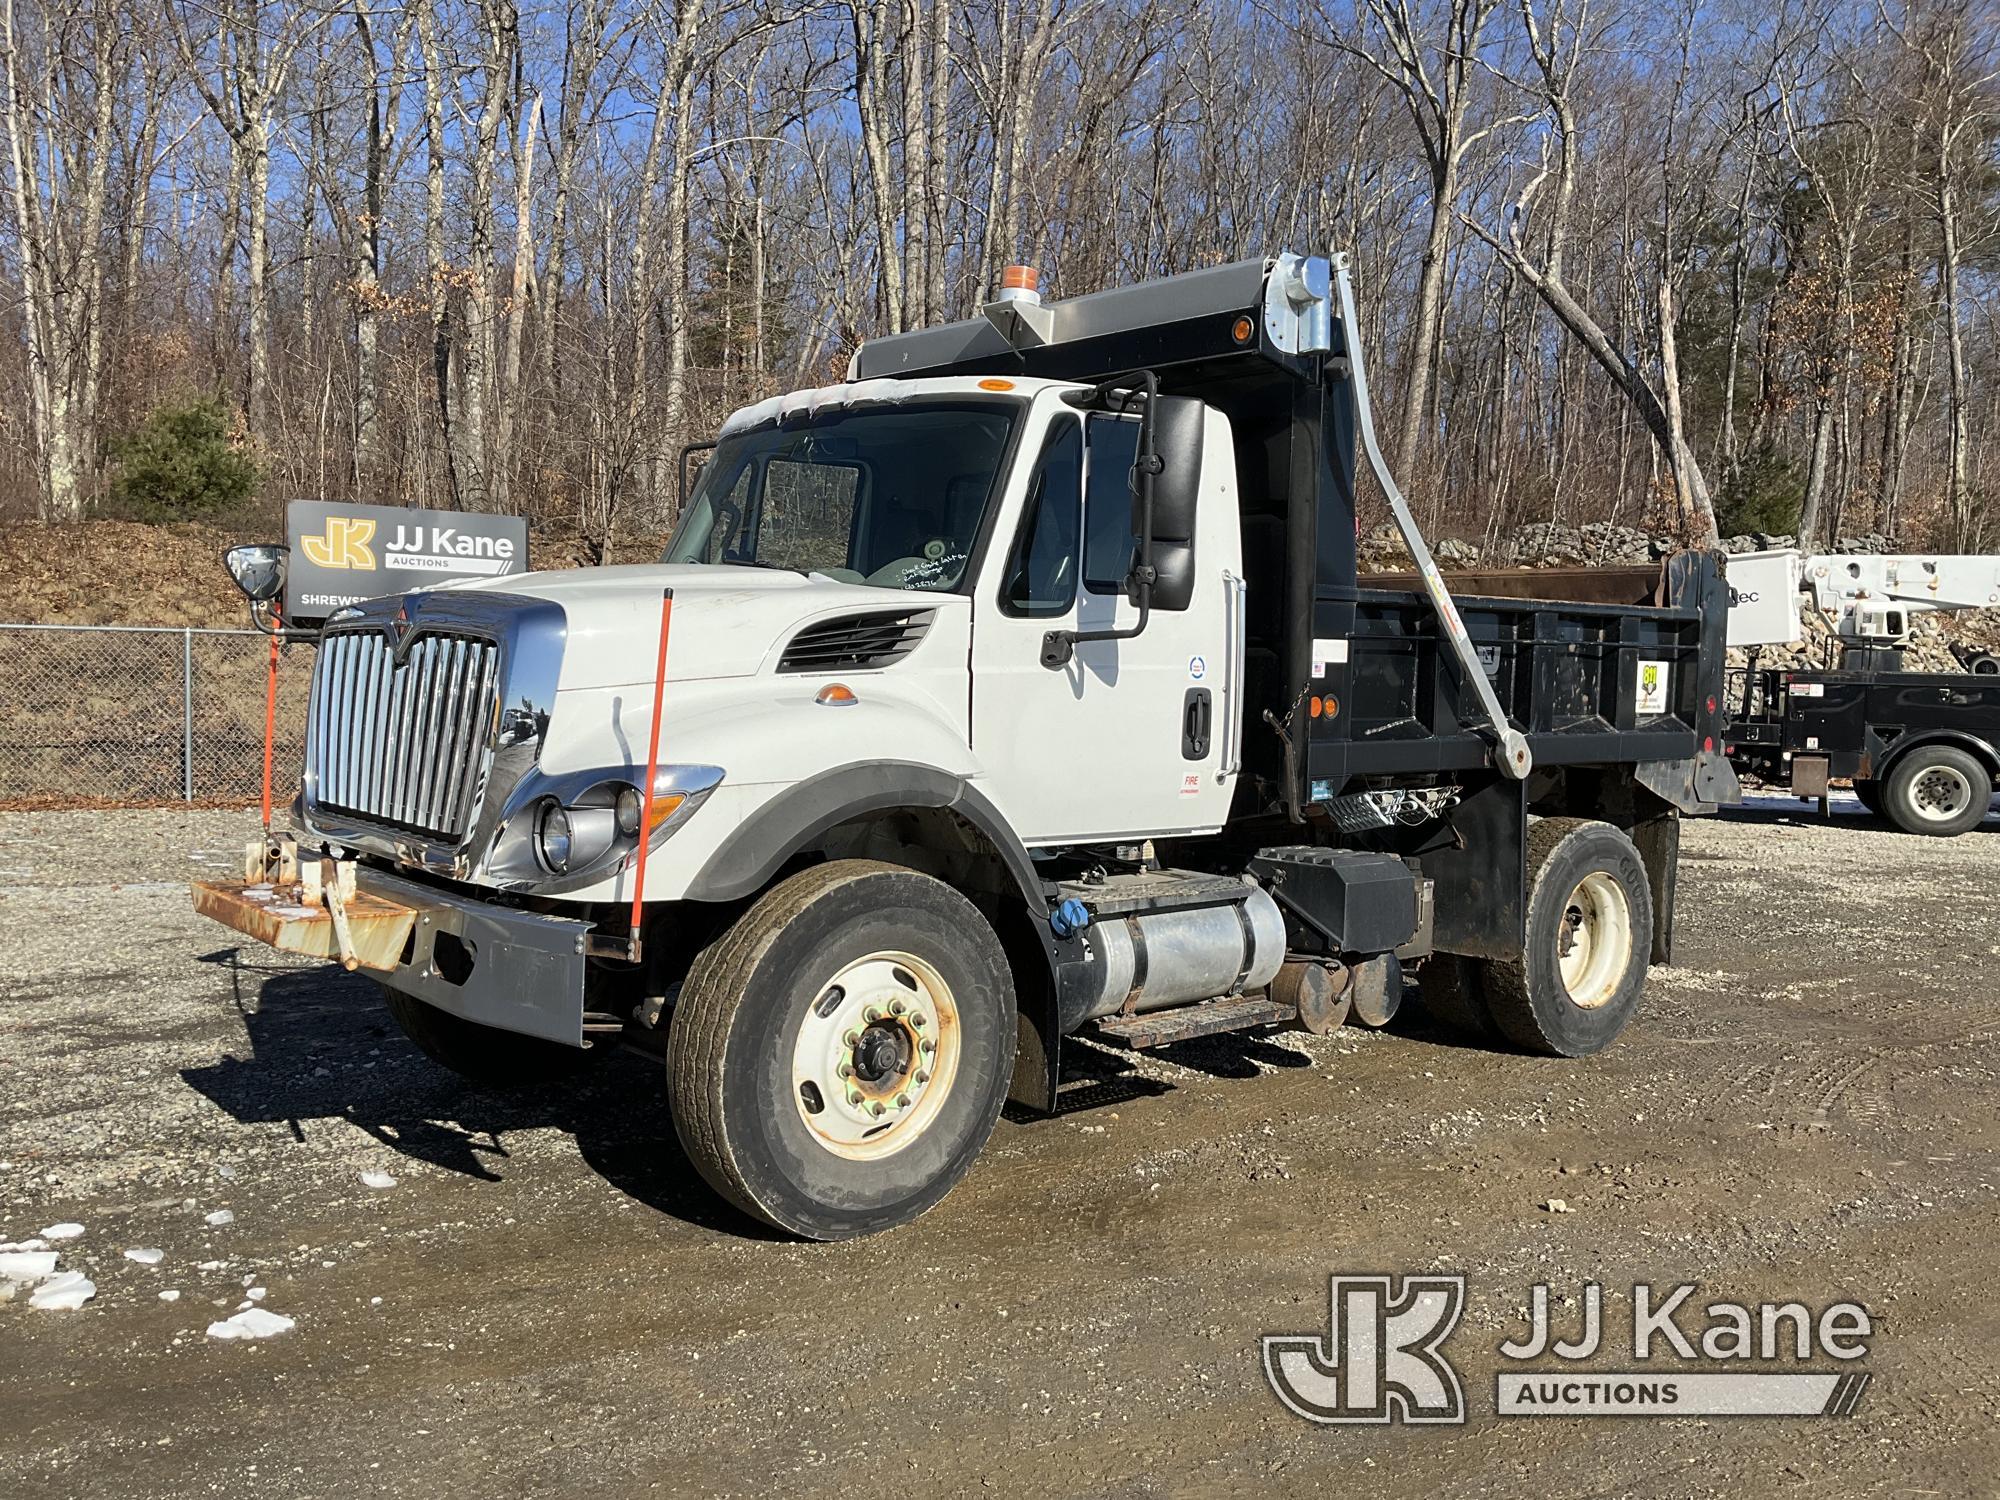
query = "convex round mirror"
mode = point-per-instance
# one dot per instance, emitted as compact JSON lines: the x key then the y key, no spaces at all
{"x":258,"y":570}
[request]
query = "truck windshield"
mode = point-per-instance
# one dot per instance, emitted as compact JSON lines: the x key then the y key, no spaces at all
{"x":883,"y":495}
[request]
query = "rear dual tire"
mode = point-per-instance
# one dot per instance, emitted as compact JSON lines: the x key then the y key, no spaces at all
{"x":1588,"y":941}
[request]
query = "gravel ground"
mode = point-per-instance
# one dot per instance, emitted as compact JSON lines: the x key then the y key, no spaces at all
{"x":546,"y":1302}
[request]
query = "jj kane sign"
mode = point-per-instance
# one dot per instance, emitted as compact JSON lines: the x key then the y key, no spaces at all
{"x":343,"y":554}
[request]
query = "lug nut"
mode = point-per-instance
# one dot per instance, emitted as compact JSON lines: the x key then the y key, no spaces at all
{"x":902,"y":1101}
{"x":878,"y":1109}
{"x":854,"y":1096}
{"x":852,"y":1039}
{"x":873,"y":1013}
{"x":929,"y":1045}
{"x":844,"y":1071}
{"x":917,"y":1020}
{"x":924,"y":1076}
{"x":896,"y":1007}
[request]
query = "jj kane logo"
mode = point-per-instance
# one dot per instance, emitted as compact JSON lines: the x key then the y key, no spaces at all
{"x":1379,"y":1361}
{"x":343,"y":545}
{"x":449,"y":549}
{"x":1381,"y":1358}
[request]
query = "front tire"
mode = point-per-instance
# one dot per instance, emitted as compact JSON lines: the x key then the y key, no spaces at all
{"x":1939,"y":790}
{"x":840,"y":1055}
{"x":1589,"y":936}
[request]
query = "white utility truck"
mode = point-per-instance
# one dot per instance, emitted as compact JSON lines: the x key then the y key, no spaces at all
{"x":1021,"y":684}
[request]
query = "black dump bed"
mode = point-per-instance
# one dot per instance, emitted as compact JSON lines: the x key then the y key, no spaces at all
{"x":1598,"y":667}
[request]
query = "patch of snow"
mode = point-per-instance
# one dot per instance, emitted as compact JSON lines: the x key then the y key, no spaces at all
{"x":146,"y":1256}
{"x":171,"y":1294}
{"x":13,"y":1245}
{"x":27,"y":1265}
{"x":220,"y":1217}
{"x":63,"y":1293}
{"x":252,"y":1323}
{"x":258,"y":1293}
{"x":63,"y":1231}
{"x":377,"y":1180}
{"x":211,"y":1265}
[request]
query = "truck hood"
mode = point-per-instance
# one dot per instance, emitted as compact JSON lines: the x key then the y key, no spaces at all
{"x":727,"y":621}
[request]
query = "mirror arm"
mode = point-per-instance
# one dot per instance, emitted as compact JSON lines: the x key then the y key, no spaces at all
{"x":1059,"y":646}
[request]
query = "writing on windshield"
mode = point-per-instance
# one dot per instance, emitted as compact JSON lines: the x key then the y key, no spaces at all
{"x":887,"y":495}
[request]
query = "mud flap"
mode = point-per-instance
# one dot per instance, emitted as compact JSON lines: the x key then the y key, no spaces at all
{"x":1809,"y":776}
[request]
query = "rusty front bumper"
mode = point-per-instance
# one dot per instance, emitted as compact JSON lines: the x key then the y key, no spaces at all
{"x":273,"y":915}
{"x":496,"y":965}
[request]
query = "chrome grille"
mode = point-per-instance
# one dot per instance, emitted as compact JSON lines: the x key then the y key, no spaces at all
{"x":401,"y":742}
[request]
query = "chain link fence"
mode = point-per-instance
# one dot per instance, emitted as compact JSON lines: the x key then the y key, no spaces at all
{"x":123,"y":715}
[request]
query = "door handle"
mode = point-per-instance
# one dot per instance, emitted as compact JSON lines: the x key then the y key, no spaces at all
{"x":1196,"y":721}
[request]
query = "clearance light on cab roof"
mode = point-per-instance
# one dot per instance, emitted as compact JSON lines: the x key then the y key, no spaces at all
{"x":836,"y":695}
{"x":996,"y":385}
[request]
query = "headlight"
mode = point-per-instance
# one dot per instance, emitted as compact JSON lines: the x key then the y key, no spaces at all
{"x":631,"y":808}
{"x":562,"y":832}
{"x":553,"y":841}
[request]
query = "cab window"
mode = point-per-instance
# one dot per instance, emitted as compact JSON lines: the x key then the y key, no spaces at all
{"x":1040,"y":581}
{"x":1108,"y":539}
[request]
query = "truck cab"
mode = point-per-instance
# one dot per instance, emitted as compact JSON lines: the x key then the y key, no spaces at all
{"x":1020,"y":684}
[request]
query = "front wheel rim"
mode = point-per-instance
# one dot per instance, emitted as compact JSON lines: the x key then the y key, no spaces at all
{"x":1594,"y":943}
{"x":876,"y":1056}
{"x":1940,"y":793}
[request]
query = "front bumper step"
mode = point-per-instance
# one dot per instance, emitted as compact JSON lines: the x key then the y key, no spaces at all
{"x":378,"y":930}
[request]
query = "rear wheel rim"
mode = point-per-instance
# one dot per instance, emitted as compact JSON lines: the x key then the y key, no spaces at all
{"x":876,"y":1056}
{"x":1594,"y":942}
{"x":1940,"y":793}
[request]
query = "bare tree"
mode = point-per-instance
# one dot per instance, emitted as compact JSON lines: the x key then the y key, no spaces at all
{"x":1557,"y":41}
{"x":61,"y":74}
{"x":1436,"y":67}
{"x":238,"y":55}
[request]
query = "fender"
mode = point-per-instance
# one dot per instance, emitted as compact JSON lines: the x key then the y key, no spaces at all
{"x":794,"y":818}
{"x":1981,"y":748}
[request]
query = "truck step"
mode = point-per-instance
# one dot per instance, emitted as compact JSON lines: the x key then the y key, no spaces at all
{"x":1153,"y":891}
{"x":1158,"y":1028}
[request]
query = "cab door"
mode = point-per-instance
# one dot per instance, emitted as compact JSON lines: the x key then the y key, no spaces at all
{"x":1130,"y":738}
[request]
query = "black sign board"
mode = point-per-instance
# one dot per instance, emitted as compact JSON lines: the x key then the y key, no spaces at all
{"x":343,"y":554}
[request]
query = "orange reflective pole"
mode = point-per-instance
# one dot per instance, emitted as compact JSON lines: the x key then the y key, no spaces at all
{"x":271,"y":712}
{"x":652,"y":774}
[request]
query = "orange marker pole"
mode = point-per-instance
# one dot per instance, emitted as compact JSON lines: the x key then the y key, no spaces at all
{"x":271,"y":714}
{"x":652,"y":773}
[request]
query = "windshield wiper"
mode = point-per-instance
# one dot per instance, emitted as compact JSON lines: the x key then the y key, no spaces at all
{"x":758,"y":562}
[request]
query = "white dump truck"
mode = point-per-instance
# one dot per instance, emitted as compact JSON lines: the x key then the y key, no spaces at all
{"x":1020,"y":684}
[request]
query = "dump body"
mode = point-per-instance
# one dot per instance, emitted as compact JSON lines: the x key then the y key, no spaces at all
{"x":1590,"y":682}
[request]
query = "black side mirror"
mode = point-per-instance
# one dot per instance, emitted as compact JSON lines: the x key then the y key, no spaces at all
{"x":258,"y":570}
{"x":1177,"y":434}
